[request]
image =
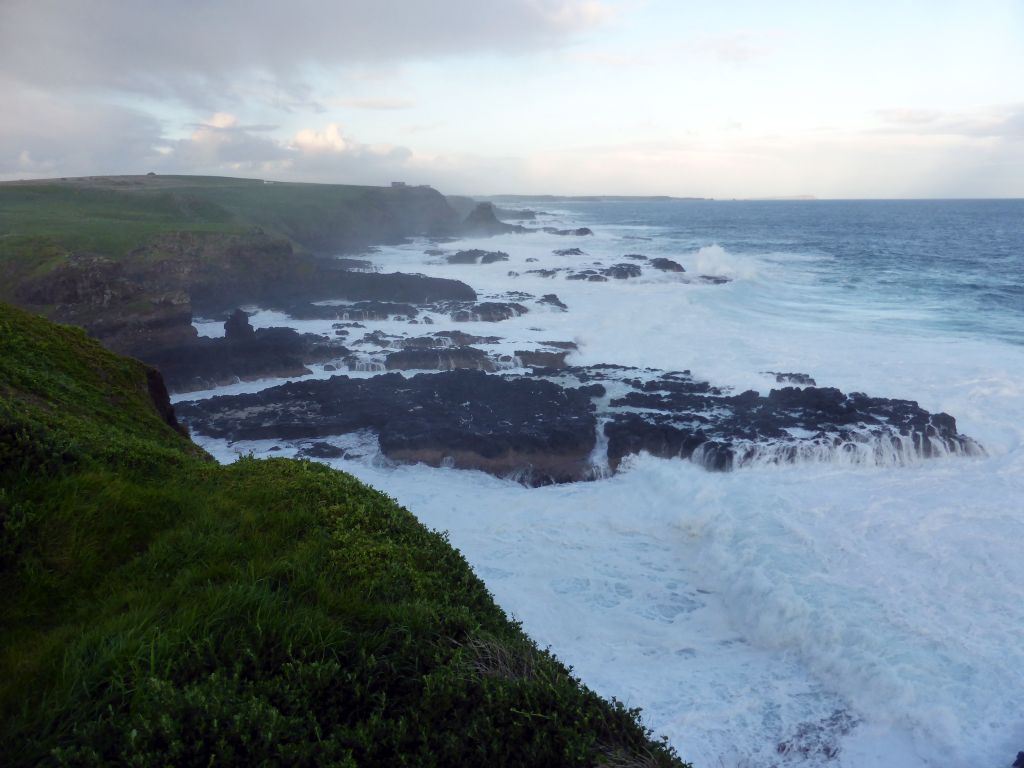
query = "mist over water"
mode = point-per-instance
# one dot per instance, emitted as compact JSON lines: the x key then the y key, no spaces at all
{"x":821,"y":613}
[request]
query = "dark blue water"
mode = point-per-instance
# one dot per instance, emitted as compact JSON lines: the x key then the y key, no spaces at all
{"x":961,"y":261}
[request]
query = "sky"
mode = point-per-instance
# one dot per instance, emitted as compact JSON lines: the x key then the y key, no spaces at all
{"x":726,"y":99}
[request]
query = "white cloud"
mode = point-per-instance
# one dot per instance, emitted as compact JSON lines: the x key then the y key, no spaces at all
{"x":377,"y":104}
{"x":738,"y":47}
{"x":328,"y":139}
{"x":1003,"y":121}
{"x":223,"y":120}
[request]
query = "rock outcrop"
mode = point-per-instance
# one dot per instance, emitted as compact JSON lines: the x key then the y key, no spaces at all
{"x":483,"y":221}
{"x":489,"y":312}
{"x":440,"y":359}
{"x":531,"y":430}
{"x":241,"y":354}
{"x":675,"y":416}
{"x":146,"y":301}
{"x":477,"y":256}
{"x":666,"y":265}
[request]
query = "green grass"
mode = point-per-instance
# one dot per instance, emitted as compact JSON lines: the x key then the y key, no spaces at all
{"x":113,"y":215}
{"x":160,"y":609}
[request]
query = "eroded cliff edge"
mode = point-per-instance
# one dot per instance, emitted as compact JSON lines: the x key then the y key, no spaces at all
{"x":130,"y":259}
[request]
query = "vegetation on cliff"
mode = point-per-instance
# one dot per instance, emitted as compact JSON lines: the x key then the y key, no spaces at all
{"x":130,"y":258}
{"x":113,"y":215}
{"x":160,"y":609}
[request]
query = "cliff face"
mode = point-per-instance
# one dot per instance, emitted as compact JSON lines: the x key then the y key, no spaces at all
{"x":131,"y":258}
{"x":160,"y":609}
{"x":393,"y":214}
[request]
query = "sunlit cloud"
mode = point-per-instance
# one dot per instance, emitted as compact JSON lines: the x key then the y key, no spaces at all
{"x":328,"y":139}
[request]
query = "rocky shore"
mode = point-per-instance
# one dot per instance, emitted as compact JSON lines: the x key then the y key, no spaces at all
{"x":499,"y":402}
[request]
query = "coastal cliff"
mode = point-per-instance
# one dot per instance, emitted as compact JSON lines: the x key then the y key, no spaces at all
{"x":131,"y":258}
{"x":163,"y":609}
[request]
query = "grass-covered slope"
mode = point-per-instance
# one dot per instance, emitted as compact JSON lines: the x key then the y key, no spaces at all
{"x":113,"y":214}
{"x":43,"y":221}
{"x":160,"y":609}
{"x":130,"y":258}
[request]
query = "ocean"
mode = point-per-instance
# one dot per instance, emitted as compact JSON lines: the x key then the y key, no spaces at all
{"x":829,"y":612}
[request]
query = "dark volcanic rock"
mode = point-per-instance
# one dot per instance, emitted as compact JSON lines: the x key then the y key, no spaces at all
{"x":543,"y":272}
{"x":635,"y":257}
{"x":269,"y":352}
{"x":1019,"y":762}
{"x":483,"y":221}
{"x":356,"y":311}
{"x":621,"y":271}
{"x":692,"y":420}
{"x":800,"y":379}
{"x":519,"y":215}
{"x":445,"y":359}
{"x":666,"y":265}
{"x":146,"y":299}
{"x":542,"y":359}
{"x":569,"y":252}
{"x":237,"y":326}
{"x":477,"y":256}
{"x":460,"y":338}
{"x":489,"y":312}
{"x":581,"y":232}
{"x":359,"y":265}
{"x":530,"y":429}
{"x":161,"y":400}
{"x":321,"y":450}
{"x":127,"y":311}
{"x":422,"y":342}
{"x":587,"y":274}
{"x":714,"y":279}
{"x":553,"y":300}
{"x":378,"y":339}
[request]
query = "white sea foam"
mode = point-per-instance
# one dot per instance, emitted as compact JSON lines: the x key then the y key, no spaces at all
{"x":745,"y":610}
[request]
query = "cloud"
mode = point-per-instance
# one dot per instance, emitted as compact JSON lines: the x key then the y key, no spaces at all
{"x":221,"y":143}
{"x":737,"y":47}
{"x":43,"y":136}
{"x":1004,"y":121}
{"x":328,"y":139}
{"x":204,"y":52}
{"x":908,"y":116}
{"x":377,"y":104}
{"x":614,"y":60}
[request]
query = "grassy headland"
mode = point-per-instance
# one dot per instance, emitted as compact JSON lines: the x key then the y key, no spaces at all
{"x":112,"y":215}
{"x":160,"y":609}
{"x":130,"y":258}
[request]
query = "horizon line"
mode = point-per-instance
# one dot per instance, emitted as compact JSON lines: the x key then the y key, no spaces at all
{"x":796,"y":198}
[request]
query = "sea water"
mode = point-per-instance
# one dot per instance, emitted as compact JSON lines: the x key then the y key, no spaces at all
{"x":811,"y":614}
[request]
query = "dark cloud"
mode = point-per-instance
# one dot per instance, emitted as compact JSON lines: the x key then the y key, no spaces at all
{"x":203,"y":51}
{"x":44,"y":136}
